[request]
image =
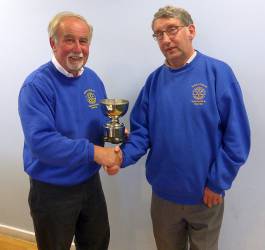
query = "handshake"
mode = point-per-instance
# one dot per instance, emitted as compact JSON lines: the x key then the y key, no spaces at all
{"x":109,"y":157}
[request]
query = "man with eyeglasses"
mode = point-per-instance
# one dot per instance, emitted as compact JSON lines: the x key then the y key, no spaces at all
{"x":191,"y":116}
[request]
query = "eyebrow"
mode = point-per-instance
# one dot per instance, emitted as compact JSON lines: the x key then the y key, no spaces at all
{"x":72,"y":36}
{"x":169,"y":26}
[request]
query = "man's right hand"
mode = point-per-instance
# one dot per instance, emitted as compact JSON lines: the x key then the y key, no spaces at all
{"x":112,"y":170}
{"x":109,"y":158}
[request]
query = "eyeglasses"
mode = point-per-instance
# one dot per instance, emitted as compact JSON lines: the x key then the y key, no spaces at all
{"x":171,"y":32}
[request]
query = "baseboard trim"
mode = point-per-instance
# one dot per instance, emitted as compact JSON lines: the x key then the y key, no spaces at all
{"x":17,"y":233}
{"x":20,"y":234}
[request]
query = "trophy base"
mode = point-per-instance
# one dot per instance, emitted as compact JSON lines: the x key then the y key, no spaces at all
{"x":114,"y":133}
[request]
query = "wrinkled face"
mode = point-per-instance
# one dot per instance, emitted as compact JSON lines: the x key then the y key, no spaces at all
{"x":174,"y":40}
{"x":71,"y":45}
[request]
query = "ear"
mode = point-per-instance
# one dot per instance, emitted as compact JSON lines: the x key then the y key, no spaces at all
{"x":53,"y":44}
{"x":192,"y":31}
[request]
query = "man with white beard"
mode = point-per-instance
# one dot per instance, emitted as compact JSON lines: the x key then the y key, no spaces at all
{"x":63,"y":149}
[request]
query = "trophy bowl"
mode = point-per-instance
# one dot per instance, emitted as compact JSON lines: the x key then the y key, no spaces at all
{"x":114,"y":132}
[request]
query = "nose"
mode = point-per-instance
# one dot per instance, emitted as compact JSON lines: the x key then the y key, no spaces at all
{"x":165,"y":38}
{"x":77,"y":47}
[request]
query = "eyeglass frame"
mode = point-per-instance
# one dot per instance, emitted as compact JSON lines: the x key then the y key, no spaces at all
{"x":167,"y":31}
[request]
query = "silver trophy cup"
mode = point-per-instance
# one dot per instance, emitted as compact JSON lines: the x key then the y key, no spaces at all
{"x":114,"y":132}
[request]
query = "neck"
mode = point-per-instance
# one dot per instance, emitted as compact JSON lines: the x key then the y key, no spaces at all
{"x":180,"y":61}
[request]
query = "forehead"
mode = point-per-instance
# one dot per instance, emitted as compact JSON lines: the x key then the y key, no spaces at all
{"x":73,"y":26}
{"x":162,"y":23}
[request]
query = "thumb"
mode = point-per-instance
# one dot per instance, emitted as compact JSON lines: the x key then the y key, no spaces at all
{"x":117,"y":149}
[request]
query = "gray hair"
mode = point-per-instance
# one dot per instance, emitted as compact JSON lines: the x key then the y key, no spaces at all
{"x":173,"y":12}
{"x":57,"y":19}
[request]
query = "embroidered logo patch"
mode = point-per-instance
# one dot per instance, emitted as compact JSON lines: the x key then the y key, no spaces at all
{"x":199,"y":93}
{"x":91,"y":98}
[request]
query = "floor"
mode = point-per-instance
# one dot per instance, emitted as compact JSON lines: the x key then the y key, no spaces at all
{"x":10,"y":243}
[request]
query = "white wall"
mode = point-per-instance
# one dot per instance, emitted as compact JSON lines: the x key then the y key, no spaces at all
{"x":123,"y":54}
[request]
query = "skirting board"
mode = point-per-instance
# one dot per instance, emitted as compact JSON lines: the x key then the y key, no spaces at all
{"x":20,"y":234}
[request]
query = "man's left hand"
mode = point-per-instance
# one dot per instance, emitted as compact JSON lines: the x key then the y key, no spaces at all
{"x":211,"y":198}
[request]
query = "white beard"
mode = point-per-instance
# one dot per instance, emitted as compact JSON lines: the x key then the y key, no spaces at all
{"x":75,"y":65}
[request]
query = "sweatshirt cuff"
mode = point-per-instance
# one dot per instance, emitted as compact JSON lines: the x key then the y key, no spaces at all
{"x":90,"y":152}
{"x":124,"y":163}
{"x":214,"y":188}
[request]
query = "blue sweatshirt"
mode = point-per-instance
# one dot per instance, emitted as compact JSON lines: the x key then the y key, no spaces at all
{"x":194,"y":122}
{"x":61,"y":121}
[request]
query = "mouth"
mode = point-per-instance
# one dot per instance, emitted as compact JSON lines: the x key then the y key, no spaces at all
{"x":171,"y":49}
{"x":76,"y":58}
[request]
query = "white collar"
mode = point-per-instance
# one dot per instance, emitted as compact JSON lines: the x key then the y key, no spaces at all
{"x":192,"y":57}
{"x":61,"y":69}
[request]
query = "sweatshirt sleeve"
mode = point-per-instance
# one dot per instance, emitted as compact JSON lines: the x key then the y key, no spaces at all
{"x":36,"y":111}
{"x":138,"y":141}
{"x":235,"y":145}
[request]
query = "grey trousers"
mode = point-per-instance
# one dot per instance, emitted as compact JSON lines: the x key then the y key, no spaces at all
{"x":182,"y":227}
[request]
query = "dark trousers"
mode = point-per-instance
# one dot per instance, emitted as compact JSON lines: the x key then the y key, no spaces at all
{"x":182,"y":227}
{"x":61,"y":213}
